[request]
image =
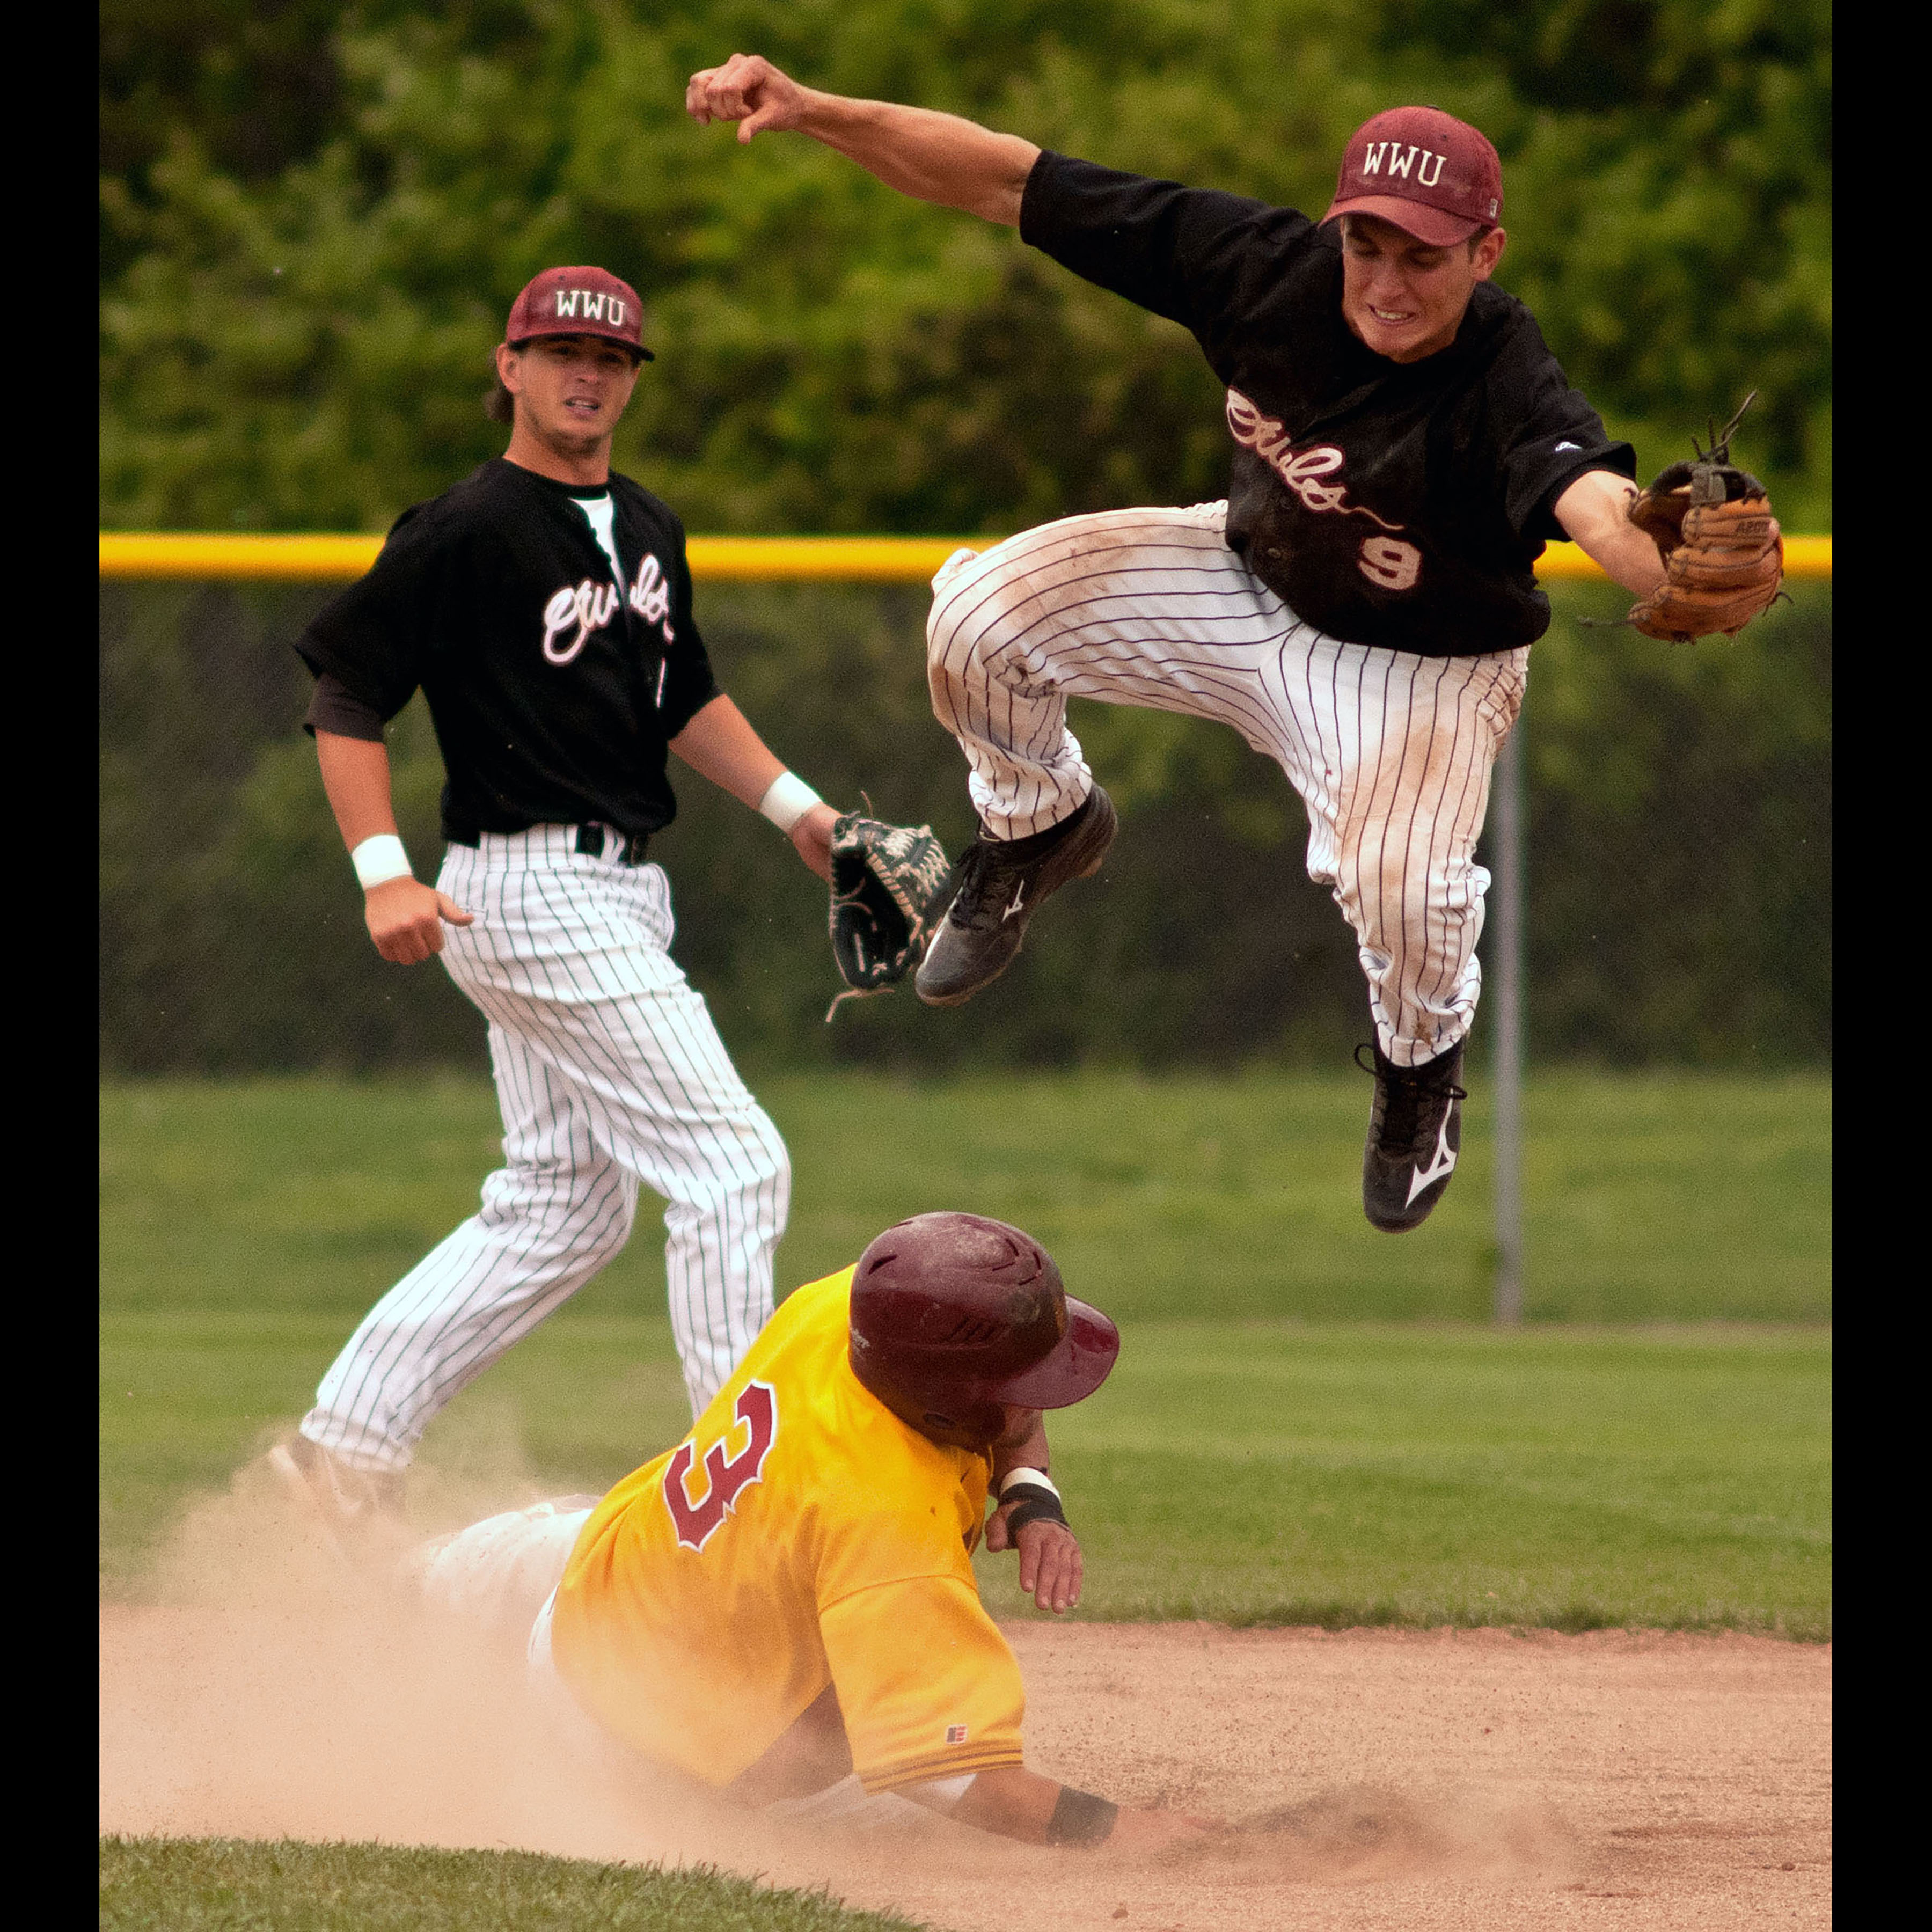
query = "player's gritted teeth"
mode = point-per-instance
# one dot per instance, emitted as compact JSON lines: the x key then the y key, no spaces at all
{"x":1402,"y":297}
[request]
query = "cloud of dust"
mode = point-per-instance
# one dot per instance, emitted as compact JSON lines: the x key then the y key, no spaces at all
{"x":266,"y":1691}
{"x":1361,"y":1835}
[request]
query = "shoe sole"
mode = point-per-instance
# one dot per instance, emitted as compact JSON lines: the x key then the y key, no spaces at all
{"x":1402,"y":1227}
{"x":960,"y":998}
{"x":1109,"y":828}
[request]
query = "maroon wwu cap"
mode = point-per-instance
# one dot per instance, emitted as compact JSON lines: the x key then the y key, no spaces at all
{"x":1435,"y":177}
{"x":578,"y":302}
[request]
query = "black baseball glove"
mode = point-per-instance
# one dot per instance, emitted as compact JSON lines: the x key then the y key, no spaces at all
{"x":888,"y":893}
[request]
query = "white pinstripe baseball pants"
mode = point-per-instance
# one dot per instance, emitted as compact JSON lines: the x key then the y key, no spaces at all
{"x":609,"y":1073}
{"x":1390,"y":752}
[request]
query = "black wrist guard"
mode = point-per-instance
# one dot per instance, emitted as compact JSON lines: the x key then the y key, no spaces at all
{"x":1079,"y":1818}
{"x":1031,"y":1504}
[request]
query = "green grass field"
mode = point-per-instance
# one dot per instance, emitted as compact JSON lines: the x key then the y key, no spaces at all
{"x":1649,"y":1197}
{"x":233,"y":1884}
{"x":1308,"y":1423}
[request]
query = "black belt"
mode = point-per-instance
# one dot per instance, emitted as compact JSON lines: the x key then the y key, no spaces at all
{"x":592,"y":841}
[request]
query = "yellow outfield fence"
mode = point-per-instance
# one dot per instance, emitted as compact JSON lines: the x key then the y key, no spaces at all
{"x":159,"y":554}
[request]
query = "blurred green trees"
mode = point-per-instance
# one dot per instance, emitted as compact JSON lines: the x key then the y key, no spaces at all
{"x":314,"y":218}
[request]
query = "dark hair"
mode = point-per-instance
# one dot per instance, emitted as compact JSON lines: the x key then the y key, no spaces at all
{"x":499,"y":405}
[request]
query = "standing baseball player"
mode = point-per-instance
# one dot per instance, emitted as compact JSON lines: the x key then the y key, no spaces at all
{"x":1361,"y":607}
{"x":543,"y":606}
{"x":783,"y":1606}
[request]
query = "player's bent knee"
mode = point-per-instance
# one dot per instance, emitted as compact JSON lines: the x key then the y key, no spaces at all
{"x":966,"y":628}
{"x":613,"y":1230}
{"x":765,"y":1160}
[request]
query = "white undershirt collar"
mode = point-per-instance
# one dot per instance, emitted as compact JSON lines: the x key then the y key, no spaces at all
{"x":601,"y":514}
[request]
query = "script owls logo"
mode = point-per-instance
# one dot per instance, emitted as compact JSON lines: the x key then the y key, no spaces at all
{"x":1387,"y":561}
{"x":727,"y":1477}
{"x":589,"y":606}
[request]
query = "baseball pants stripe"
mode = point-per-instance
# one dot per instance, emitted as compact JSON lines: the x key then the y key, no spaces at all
{"x":1390,"y":752}
{"x":609,"y":1073}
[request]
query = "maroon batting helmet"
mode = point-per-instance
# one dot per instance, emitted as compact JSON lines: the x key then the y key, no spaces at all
{"x":953,"y":1314}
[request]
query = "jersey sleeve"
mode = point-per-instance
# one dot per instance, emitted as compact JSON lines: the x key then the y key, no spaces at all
{"x":927,"y":1685}
{"x":689,"y":685}
{"x":1551,"y":436}
{"x":336,"y":709}
{"x":373,"y":639}
{"x":1197,"y":256}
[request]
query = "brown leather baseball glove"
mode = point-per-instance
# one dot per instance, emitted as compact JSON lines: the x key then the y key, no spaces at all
{"x":1724,"y":555}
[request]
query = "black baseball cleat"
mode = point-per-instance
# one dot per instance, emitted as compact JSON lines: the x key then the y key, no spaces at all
{"x":1001,"y":883}
{"x":1415,"y":1132}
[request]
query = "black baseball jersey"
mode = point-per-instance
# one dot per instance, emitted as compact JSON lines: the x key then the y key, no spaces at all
{"x":1397,"y":504}
{"x":556,"y":672}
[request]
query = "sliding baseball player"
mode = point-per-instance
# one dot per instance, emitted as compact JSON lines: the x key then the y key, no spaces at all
{"x":1359,"y":608}
{"x":783,"y":1606}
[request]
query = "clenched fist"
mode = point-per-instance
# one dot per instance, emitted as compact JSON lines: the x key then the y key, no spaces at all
{"x":405,"y":918}
{"x":747,"y":89}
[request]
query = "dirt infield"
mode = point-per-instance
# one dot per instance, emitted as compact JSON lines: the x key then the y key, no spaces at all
{"x":1421,"y":1781}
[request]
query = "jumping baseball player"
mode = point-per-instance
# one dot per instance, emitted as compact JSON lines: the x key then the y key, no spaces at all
{"x":543,"y":606}
{"x":1359,"y":608}
{"x":783,"y":1606}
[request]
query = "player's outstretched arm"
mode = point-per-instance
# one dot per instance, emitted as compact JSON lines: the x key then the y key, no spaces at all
{"x":719,"y":744}
{"x":1595,"y":511}
{"x":1015,"y":1803}
{"x":935,"y":158}
{"x":404,"y":916}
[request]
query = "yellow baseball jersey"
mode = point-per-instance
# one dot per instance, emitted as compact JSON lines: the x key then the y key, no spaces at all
{"x":801,"y":1535}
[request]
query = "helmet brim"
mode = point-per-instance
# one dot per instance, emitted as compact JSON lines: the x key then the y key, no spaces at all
{"x":1078,"y":1364}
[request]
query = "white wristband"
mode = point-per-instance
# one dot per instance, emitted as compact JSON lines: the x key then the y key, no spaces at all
{"x":380,"y":859}
{"x":1025,"y":1475}
{"x":788,"y":800}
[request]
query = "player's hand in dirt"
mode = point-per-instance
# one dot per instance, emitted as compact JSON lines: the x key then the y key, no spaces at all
{"x":812,"y":836}
{"x":747,"y":89}
{"x":1050,"y":1560}
{"x":406,"y":918}
{"x":1138,"y":1832}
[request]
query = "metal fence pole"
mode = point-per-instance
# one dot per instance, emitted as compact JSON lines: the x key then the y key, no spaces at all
{"x":1507,"y":958}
